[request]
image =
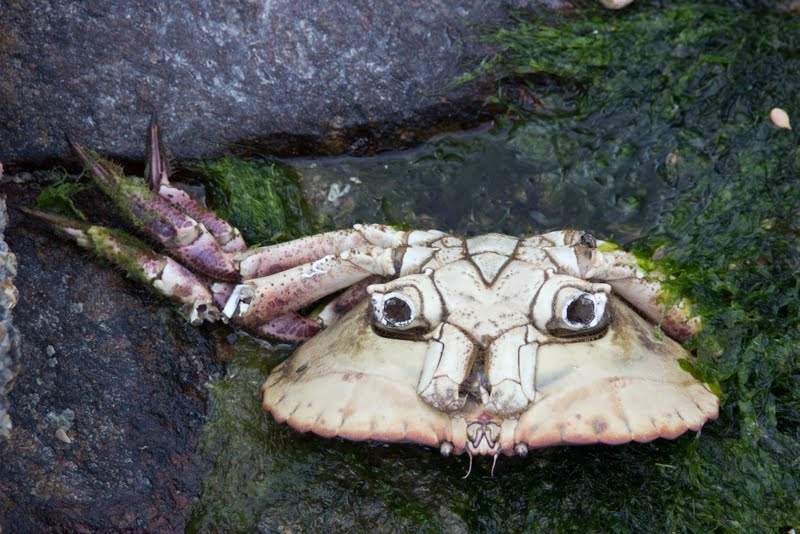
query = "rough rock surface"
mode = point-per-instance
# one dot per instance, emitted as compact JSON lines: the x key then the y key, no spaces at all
{"x":109,"y":401}
{"x":9,"y":339}
{"x":284,"y":76}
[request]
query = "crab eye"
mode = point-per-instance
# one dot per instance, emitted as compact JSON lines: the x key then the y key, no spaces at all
{"x":578,"y":313}
{"x":569,"y":307}
{"x":407,"y":306}
{"x":395,"y":310}
{"x":581,"y":311}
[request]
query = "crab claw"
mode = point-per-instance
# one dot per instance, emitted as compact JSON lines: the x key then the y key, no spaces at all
{"x":164,"y":274}
{"x":182,"y":236}
{"x":157,"y":175}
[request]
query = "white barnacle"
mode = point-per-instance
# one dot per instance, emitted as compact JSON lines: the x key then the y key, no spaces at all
{"x":316,"y":268}
{"x":239,"y":301}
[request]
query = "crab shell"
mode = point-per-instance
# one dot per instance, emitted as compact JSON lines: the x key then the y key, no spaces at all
{"x":626,"y":385}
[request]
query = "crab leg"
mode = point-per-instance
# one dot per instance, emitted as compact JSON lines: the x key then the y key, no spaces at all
{"x":291,"y":327}
{"x":164,"y":274}
{"x":644,"y":292}
{"x":157,"y":174}
{"x":349,"y":299}
{"x":579,"y":255}
{"x":271,"y":259}
{"x":256,"y":301}
{"x":183,"y":237}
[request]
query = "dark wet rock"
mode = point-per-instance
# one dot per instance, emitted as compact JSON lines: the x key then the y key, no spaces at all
{"x":286,"y":76}
{"x":109,"y":401}
{"x":9,"y":338}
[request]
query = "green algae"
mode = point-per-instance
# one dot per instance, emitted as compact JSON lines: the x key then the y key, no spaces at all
{"x":261,"y":199}
{"x":652,"y":126}
{"x":57,"y":197}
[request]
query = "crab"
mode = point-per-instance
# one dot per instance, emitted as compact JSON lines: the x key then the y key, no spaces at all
{"x":484,"y":345}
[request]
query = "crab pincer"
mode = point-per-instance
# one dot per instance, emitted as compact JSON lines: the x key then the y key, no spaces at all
{"x":157,"y":176}
{"x":181,"y":235}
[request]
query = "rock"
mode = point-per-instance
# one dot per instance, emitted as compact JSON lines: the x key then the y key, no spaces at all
{"x":9,"y":339}
{"x":284,"y":76}
{"x":105,"y":440}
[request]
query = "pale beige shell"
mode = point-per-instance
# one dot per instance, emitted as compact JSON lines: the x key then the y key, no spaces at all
{"x":625,"y":386}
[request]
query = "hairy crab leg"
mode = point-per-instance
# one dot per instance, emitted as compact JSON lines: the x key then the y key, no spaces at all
{"x":182,"y":236}
{"x":255,"y":301}
{"x":161,"y":272}
{"x":157,"y":175}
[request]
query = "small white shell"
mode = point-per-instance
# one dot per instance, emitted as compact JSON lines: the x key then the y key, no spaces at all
{"x":780,"y":118}
{"x":61,"y":434}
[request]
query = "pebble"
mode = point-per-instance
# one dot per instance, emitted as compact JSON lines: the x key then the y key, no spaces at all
{"x":780,"y":118}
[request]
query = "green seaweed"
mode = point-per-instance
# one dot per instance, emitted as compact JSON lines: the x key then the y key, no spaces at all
{"x":261,"y":199}
{"x":674,"y":93}
{"x":57,"y":197}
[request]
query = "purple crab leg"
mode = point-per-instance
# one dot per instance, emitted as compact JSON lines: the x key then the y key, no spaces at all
{"x":162,"y":273}
{"x":182,"y":236}
{"x":259,"y":300}
{"x":158,"y":171}
{"x":289,"y":327}
{"x":349,"y":299}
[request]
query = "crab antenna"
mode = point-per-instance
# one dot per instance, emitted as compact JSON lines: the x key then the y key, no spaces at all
{"x":470,"y":464}
{"x":494,"y":462}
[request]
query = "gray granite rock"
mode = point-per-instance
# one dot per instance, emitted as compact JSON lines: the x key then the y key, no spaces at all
{"x":283,"y":76}
{"x":111,"y":397}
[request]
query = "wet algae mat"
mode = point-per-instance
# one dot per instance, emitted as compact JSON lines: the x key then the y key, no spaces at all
{"x":649,"y":126}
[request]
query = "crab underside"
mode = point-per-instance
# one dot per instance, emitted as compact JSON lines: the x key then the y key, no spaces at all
{"x":486,"y":345}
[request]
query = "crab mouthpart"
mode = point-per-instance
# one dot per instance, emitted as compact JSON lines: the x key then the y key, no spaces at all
{"x":483,"y":437}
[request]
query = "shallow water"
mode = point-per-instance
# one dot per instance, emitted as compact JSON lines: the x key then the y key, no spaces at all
{"x":654,"y":131}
